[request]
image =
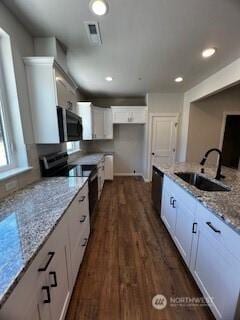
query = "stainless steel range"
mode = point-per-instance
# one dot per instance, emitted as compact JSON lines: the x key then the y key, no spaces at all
{"x":56,"y":165}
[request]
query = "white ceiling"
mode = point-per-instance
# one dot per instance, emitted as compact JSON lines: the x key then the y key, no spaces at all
{"x":155,"y":40}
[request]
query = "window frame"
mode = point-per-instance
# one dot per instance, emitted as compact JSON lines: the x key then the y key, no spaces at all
{"x":76,"y":147}
{"x":7,"y":132}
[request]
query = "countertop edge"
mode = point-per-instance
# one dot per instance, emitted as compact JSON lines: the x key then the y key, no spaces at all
{"x":21,"y":273}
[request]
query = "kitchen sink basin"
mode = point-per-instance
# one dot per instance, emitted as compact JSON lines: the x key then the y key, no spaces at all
{"x":200,"y":182}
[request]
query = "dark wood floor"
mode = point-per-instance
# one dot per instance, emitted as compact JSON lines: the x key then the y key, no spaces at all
{"x":129,"y":259}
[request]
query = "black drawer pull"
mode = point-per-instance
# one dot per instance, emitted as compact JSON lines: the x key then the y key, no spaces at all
{"x":82,"y":199}
{"x":212,"y":227}
{"x":51,"y":255}
{"x":173,"y":203}
{"x":48,"y":300}
{"x":83,"y":219}
{"x":85,"y":242}
{"x":194,"y":230}
{"x":53,"y":273}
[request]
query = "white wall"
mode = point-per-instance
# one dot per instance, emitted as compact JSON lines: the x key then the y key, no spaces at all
{"x":127,"y":146}
{"x":226,"y":77}
{"x":165,"y":102}
{"x":205,"y":122}
{"x":21,"y":45}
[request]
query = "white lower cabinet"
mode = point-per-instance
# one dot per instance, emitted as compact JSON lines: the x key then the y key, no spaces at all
{"x":108,"y":167}
{"x":184,"y":229}
{"x":101,"y":176}
{"x":168,"y":212}
{"x":215,"y":266}
{"x":210,"y":248}
{"x":44,"y":291}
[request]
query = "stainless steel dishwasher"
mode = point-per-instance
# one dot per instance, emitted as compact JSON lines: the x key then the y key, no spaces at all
{"x":157,"y":184}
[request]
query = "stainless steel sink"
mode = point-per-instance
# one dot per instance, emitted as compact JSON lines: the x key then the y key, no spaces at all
{"x":200,"y":182}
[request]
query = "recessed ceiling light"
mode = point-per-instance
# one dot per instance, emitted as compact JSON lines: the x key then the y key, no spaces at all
{"x":207,"y":53}
{"x":108,"y":79}
{"x":179,"y":79}
{"x":98,"y":7}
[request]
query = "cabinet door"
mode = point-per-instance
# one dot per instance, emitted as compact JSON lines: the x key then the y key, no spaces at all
{"x":58,"y":275}
{"x":62,"y":92}
{"x":216,"y":271}
{"x":108,"y":167}
{"x":138,"y":116}
{"x":168,"y":211}
{"x":98,"y":123}
{"x":121,"y":116}
{"x":108,"y":124}
{"x":184,"y":229}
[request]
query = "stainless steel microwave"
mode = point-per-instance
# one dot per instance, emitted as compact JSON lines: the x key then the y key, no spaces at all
{"x":70,"y":125}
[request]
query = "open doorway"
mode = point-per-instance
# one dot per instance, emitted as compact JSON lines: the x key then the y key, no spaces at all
{"x":231,"y":140}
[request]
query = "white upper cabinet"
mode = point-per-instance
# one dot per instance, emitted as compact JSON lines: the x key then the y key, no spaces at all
{"x":97,"y":121}
{"x":129,"y":115}
{"x":49,"y":86}
{"x":108,"y":124}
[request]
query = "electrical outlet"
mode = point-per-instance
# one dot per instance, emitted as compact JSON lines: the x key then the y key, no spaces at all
{"x":11,"y":185}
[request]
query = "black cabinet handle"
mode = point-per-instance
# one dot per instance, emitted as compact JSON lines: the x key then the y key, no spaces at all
{"x":194,"y":230}
{"x":212,"y":227}
{"x":85,"y":242}
{"x":82,"y":199}
{"x":48,"y":300}
{"x":53,"y":273}
{"x":83,"y":219}
{"x":171,"y":201}
{"x":51,"y":255}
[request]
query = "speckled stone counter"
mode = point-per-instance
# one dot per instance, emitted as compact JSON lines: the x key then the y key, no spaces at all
{"x":225,"y":205}
{"x":27,"y":219}
{"x":91,"y":158}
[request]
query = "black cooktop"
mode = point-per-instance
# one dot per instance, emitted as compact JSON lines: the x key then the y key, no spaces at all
{"x":73,"y":171}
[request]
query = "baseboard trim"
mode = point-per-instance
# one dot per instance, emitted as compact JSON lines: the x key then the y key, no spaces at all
{"x":128,"y":174}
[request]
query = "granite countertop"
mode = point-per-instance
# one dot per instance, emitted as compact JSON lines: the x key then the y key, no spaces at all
{"x":27,"y":218}
{"x":91,"y":158}
{"x":225,"y":205}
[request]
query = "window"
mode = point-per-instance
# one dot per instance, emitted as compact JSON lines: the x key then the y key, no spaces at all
{"x":13,"y":153}
{"x":6,"y":160}
{"x":73,"y":146}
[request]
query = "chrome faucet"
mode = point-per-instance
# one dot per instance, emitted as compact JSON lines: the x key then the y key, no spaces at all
{"x":218,"y":174}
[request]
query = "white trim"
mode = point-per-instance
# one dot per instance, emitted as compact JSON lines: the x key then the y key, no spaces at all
{"x":13,"y":172}
{"x":225,"y":114}
{"x":129,"y":174}
{"x":149,"y":148}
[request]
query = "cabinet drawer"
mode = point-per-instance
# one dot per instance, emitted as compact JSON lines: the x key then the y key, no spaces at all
{"x":219,"y":230}
{"x":82,"y":198}
{"x":79,"y":250}
{"x":179,"y":192}
{"x":28,"y":292}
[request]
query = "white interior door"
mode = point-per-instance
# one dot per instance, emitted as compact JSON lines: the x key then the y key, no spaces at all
{"x":164,"y":137}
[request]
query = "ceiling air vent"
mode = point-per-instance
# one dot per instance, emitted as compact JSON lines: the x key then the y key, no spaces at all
{"x":93,"y":32}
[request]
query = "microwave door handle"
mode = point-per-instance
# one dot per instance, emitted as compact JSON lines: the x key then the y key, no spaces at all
{"x":64,"y":125}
